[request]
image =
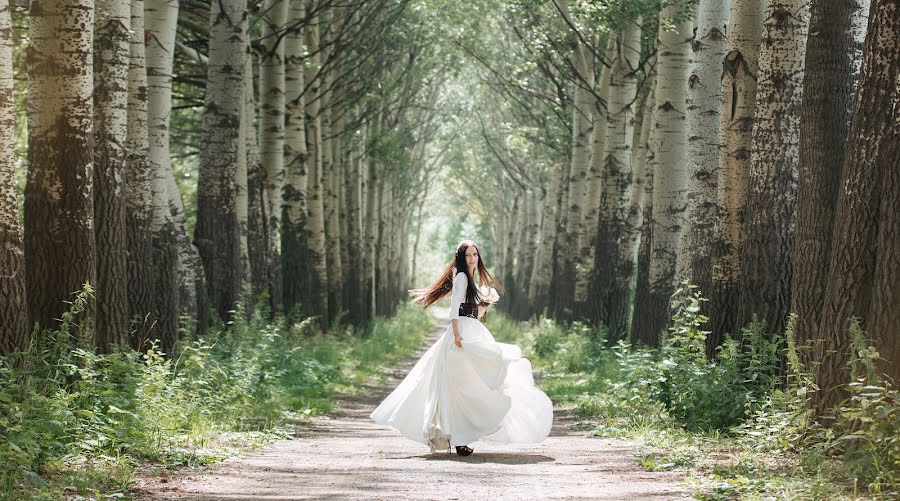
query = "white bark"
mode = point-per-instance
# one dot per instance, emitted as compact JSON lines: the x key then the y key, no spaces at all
{"x":160,"y":18}
{"x":13,"y":318}
{"x":318,"y":303}
{"x":739,"y":103}
{"x":669,"y":165}
{"x":272,"y":108}
{"x":112,"y":51}
{"x":774,"y":162}
{"x":242,"y":193}
{"x":592,"y":201}
{"x":704,"y":109}
{"x":60,"y":250}
{"x":615,"y":249}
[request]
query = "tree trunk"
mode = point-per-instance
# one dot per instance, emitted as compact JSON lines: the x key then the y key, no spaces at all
{"x":331,"y":175}
{"x":525,"y":256}
{"x":258,"y":233}
{"x":508,"y":276}
{"x":139,"y":194}
{"x":246,"y":127}
{"x":833,"y":53}
{"x":271,"y":123}
{"x":293,"y":231}
{"x":640,"y":334}
{"x":704,"y":118}
{"x":864,"y":271}
{"x":614,"y":253}
{"x":588,"y":276}
{"x":582,"y":132}
{"x":216,"y":231}
{"x":739,"y":103}
{"x":771,"y":208}
{"x":60,"y":250}
{"x":641,"y":193}
{"x":353,"y":282}
{"x":542,"y":277}
{"x":669,"y":164}
{"x":371,"y":228}
{"x":112,"y":50}
{"x":160,"y":18}
{"x":317,"y":304}
{"x":13,"y":309}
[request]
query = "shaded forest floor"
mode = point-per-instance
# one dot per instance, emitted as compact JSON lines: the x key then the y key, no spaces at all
{"x":347,"y":456}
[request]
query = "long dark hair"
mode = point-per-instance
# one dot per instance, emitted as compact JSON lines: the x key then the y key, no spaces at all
{"x":443,"y":285}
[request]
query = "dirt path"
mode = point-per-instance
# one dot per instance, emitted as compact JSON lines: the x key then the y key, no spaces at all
{"x":348,"y":456}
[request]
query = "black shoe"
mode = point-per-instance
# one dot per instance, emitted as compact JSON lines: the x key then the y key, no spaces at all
{"x":464,"y":450}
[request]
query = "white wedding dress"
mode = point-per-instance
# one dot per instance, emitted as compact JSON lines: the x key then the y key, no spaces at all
{"x":453,"y":396}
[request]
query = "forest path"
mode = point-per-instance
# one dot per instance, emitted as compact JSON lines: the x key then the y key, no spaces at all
{"x":347,"y":456}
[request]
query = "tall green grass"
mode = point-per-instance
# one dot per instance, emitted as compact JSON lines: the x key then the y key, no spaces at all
{"x":74,"y":419}
{"x":738,"y":405}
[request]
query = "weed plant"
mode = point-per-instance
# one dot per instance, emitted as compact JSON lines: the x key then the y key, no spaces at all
{"x":74,"y":422}
{"x":741,"y":422}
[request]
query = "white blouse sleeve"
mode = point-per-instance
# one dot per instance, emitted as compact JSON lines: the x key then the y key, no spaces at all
{"x":460,"y":283}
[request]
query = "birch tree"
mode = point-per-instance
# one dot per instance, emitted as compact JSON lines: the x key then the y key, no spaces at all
{"x":614,"y":253}
{"x":833,"y":55}
{"x":139,"y":189}
{"x":771,"y":209}
{"x":588,"y":259}
{"x":60,"y":252}
{"x":739,"y":78}
{"x":704,"y":118}
{"x":863,"y":276}
{"x":669,"y":166}
{"x":112,"y":51}
{"x":293,"y":232}
{"x":13,"y":309}
{"x":160,"y":19}
{"x":216,"y":232}
{"x":317,"y":304}
{"x":271,"y":124}
{"x":643,"y":336}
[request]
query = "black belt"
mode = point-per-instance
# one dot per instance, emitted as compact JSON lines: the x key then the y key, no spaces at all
{"x":468,"y":310}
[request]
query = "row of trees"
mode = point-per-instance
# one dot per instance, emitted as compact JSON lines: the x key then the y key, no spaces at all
{"x":749,"y":147}
{"x":184,"y":155}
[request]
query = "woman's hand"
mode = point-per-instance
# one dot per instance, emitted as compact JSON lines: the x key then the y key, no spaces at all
{"x":457,"y":340}
{"x":482,"y":309}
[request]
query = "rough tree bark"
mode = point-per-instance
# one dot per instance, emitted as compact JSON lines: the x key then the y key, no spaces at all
{"x":614,"y":252}
{"x":139,"y":194}
{"x":60,"y":252}
{"x":833,"y":54}
{"x":112,"y":51}
{"x":864,"y":270}
{"x":216,"y":232}
{"x":160,"y":19}
{"x":317,"y":305}
{"x":704,"y":118}
{"x":293,"y":232}
{"x":13,"y":310}
{"x":669,"y":166}
{"x":739,"y":102}
{"x":769,"y":240}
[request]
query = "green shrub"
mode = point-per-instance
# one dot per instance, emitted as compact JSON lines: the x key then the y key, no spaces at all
{"x":70,"y":413}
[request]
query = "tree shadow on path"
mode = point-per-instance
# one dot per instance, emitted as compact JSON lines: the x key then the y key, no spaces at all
{"x":486,"y":457}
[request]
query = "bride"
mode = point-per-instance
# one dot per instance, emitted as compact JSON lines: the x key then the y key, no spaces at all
{"x":467,"y":386}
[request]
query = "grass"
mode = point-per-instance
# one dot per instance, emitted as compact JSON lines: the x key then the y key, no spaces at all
{"x":767,"y":452}
{"x":76,"y":423}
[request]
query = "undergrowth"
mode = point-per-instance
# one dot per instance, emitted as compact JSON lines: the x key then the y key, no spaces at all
{"x":77,"y":423}
{"x":740,"y":424}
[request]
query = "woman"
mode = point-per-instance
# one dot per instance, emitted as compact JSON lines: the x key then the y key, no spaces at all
{"x":467,"y":386}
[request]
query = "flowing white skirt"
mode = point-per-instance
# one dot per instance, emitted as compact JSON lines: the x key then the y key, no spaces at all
{"x":453,"y":396}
